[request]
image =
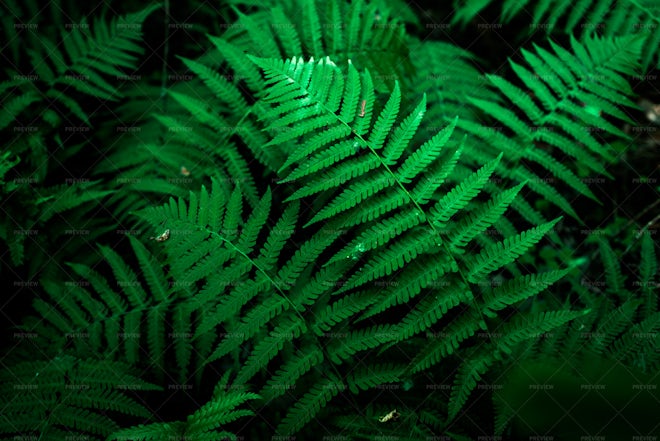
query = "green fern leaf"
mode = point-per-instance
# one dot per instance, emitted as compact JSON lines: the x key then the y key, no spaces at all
{"x":370,"y":376}
{"x":68,"y":395}
{"x":287,"y":376}
{"x":310,"y":405}
{"x":504,"y":252}
{"x":512,"y":333}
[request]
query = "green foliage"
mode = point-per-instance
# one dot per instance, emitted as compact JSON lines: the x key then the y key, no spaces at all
{"x":607,"y":17}
{"x":204,"y":424}
{"x":309,"y":219}
{"x":625,"y":319}
{"x":245,"y":291}
{"x":126,"y":318}
{"x":621,"y":329}
{"x":89,"y":53}
{"x":42,"y":110}
{"x":67,"y":396}
{"x":562,"y":117}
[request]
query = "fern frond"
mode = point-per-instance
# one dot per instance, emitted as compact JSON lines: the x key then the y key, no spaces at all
{"x":459,"y":196}
{"x":648,"y":269}
{"x":342,"y":349}
{"x":219,"y":411}
{"x":502,"y":253}
{"x":512,"y":333}
{"x":15,"y":105}
{"x":68,"y":394}
{"x":613,"y":275}
{"x":445,"y":343}
{"x":116,"y":315}
{"x":204,"y":424}
{"x":367,"y":32}
{"x":638,"y":340}
{"x":476,"y":223}
{"x":373,"y":375}
{"x":286,"y":377}
{"x":287,"y":329}
{"x":466,"y":380}
{"x":91,"y":55}
{"x":369,"y":177}
{"x":253,"y":321}
{"x":518,"y":289}
{"x":611,"y":17}
{"x":567,"y":91}
{"x":612,"y":324}
{"x":432,"y":308}
{"x":59,"y":198}
{"x":286,"y":278}
{"x":448,"y":75}
{"x":83,"y":60}
{"x":261,"y":289}
{"x":150,"y":432}
{"x":342,"y":309}
{"x":310,"y":405}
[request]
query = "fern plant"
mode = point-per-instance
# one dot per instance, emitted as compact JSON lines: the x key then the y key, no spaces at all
{"x":68,"y":397}
{"x":86,"y":59}
{"x":448,"y":75}
{"x":269,"y":303}
{"x":325,"y":237}
{"x":43,"y":108}
{"x":239,"y":292}
{"x":370,"y":37}
{"x":569,"y":96}
{"x":204,"y":424}
{"x":620,"y":332}
{"x":604,"y":17}
{"x":128,"y":318}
